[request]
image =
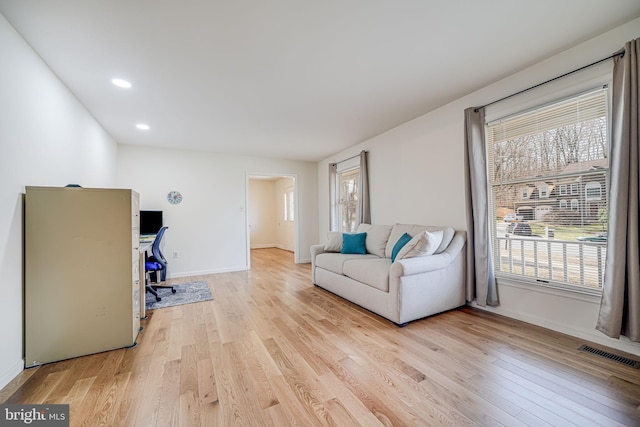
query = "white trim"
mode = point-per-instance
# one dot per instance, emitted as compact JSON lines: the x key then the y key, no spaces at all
{"x":597,"y":337}
{"x":349,"y":164}
{"x":588,"y":295}
{"x":10,"y":374}
{"x":271,"y":245}
{"x":537,"y":312}
{"x":266,"y":246}
{"x":577,"y":84}
{"x":296,"y":211}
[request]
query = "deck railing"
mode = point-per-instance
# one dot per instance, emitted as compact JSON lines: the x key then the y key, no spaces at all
{"x":573,"y":263}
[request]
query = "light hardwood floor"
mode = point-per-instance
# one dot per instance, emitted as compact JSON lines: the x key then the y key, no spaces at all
{"x":273,"y":350}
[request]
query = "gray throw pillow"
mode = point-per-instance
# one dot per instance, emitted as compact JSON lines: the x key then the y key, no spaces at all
{"x":334,"y":242}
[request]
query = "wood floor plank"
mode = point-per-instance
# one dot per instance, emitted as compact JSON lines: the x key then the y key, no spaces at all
{"x":76,"y":395}
{"x":207,"y":392}
{"x":271,"y":349}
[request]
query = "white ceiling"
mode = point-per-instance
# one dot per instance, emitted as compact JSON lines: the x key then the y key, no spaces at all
{"x":291,"y":79}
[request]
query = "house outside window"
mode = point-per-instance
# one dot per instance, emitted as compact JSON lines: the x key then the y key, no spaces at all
{"x":575,"y":188}
{"x":593,"y":191}
{"x":565,"y":144}
{"x":543,"y":190}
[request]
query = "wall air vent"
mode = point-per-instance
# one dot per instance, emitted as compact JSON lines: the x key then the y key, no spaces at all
{"x":620,"y":359}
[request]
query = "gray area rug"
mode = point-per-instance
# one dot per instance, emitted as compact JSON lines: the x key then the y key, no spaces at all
{"x":185,"y":294}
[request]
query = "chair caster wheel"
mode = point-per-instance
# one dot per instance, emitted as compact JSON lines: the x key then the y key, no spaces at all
{"x":173,"y":291}
{"x":158,"y":299}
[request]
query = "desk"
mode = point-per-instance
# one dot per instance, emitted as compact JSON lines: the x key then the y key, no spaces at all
{"x":144,"y":246}
{"x":147,"y":238}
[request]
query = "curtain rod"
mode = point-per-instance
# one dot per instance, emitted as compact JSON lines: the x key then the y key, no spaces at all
{"x":620,"y":54}
{"x":349,"y":158}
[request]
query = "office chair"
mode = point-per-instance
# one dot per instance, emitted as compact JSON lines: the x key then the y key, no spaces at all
{"x":156,"y":266}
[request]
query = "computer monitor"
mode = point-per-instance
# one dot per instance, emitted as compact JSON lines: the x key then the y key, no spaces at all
{"x":150,"y":222}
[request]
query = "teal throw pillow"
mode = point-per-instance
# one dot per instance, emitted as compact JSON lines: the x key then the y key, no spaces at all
{"x":403,"y":240}
{"x":354,"y":243}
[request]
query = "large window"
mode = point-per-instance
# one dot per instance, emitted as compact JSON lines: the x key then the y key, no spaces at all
{"x":560,"y":152}
{"x":348,"y":199}
{"x":349,"y":193}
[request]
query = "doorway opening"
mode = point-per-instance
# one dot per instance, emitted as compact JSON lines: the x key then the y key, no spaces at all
{"x":272,"y":213}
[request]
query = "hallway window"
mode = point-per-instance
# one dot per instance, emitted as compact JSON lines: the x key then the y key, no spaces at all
{"x":289,"y":206}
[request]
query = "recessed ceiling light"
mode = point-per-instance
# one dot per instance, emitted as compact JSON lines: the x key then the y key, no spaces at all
{"x":142,"y":126}
{"x":121,"y":83}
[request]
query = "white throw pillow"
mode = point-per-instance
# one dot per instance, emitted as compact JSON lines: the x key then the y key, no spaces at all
{"x":447,"y":237}
{"x":422,"y":244}
{"x":334,"y":242}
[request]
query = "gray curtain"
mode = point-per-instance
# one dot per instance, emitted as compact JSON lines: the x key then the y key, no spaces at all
{"x":620,"y":305}
{"x":333,"y":197}
{"x":363,"y":212}
{"x":481,"y":282}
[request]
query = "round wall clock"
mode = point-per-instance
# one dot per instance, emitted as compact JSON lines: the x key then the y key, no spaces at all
{"x":174,"y":197}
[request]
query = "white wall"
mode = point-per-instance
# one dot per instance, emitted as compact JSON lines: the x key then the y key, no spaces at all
{"x":208,"y":228}
{"x":47,"y":138}
{"x":263,"y":211}
{"x":417,"y":176}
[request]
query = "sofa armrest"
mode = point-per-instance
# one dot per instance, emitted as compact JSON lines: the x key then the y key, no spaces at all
{"x":418,"y":265}
{"x":425,"y":264}
{"x":315,"y":251}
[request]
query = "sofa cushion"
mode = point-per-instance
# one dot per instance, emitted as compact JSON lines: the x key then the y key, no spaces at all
{"x":402,"y":241}
{"x":334,"y":262}
{"x":422,"y":244}
{"x":354,"y":243}
{"x":372,"y":272}
{"x":412,"y":230}
{"x":334,"y":242}
{"x":377,"y":236}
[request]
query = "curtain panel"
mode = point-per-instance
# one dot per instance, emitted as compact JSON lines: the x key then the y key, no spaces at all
{"x":363,"y":212}
{"x":333,"y":197}
{"x":620,"y":304}
{"x":481,"y":282}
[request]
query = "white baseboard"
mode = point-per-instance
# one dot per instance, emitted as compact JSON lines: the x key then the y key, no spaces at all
{"x":271,"y":245}
{"x":11,"y":373}
{"x":594,"y":336}
{"x":265,"y":246}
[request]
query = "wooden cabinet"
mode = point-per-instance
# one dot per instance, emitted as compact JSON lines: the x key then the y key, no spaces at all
{"x":82,"y":277}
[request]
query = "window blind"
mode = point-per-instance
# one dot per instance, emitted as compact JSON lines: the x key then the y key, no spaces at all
{"x":548,"y":171}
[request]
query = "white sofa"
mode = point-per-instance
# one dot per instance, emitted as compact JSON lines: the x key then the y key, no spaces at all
{"x":423,"y":280}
